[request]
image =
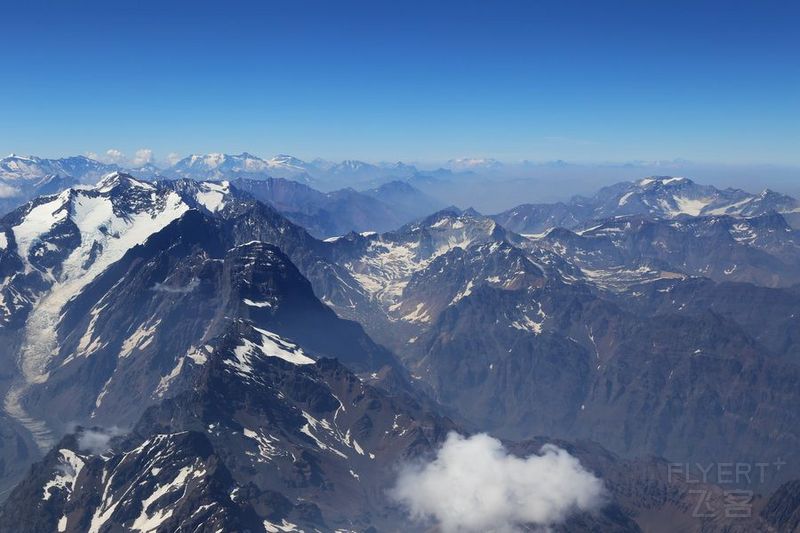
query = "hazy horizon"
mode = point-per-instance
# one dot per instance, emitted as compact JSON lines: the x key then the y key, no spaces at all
{"x":501,"y":185}
{"x":540,"y":81}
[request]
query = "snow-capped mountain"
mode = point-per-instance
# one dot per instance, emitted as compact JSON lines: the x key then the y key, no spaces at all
{"x":654,"y":197}
{"x":630,"y":249}
{"x":96,"y":284}
{"x":15,"y":168}
{"x":352,"y":167}
{"x":23,"y":178}
{"x":545,"y":340}
{"x":58,"y":256}
{"x":146,"y":299}
{"x":59,"y":243}
{"x":219,"y":166}
{"x":257,"y":427}
{"x":669,"y":197}
{"x":287,"y":166}
{"x":384,"y":265}
{"x":415,"y":273}
{"x":325,"y":174}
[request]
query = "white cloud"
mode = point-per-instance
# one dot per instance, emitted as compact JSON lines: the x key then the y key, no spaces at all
{"x":97,"y":440}
{"x":114,"y":156}
{"x":173,"y":158}
{"x":474,"y":484}
{"x":7,"y":191}
{"x":142,"y":157}
{"x":190,"y":287}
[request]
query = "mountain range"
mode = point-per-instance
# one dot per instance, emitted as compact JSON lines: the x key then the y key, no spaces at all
{"x":282,"y":181}
{"x":192,"y":355}
{"x":657,"y":196}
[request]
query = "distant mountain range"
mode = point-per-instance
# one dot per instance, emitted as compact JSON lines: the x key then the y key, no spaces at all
{"x":281,"y":181}
{"x":23,"y":178}
{"x":326,"y":175}
{"x":346,"y":210}
{"x":658,"y":196}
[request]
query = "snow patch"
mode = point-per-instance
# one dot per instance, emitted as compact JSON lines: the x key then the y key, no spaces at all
{"x":271,"y":345}
{"x":212,"y":196}
{"x":251,"y":303}
{"x":70,"y":465}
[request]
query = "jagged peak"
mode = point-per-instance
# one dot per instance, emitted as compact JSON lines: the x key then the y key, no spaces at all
{"x":663,"y":180}
{"x":116,"y":179}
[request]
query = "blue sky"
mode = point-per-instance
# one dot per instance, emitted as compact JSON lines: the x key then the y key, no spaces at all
{"x":417,"y":81}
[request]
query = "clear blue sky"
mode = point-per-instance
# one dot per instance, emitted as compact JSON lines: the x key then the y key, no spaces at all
{"x":425,"y":81}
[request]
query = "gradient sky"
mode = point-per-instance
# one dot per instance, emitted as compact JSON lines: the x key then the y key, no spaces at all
{"x":417,"y":81}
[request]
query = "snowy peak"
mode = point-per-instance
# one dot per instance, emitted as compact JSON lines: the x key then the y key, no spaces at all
{"x":660,"y":196}
{"x":288,"y":162}
{"x":663,"y":181}
{"x":452,"y":227}
{"x":219,"y":166}
{"x":119,"y":181}
{"x":24,"y":178}
{"x":669,"y":197}
{"x":210,"y":163}
{"x":657,"y":197}
{"x":147,"y":314}
{"x":16,"y":168}
{"x":617,"y":252}
{"x":66,"y":240}
{"x":385,"y":265}
{"x":290,"y":167}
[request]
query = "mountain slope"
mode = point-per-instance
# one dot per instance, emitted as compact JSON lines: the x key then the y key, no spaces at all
{"x":71,"y":263}
{"x":195,"y":325}
{"x":271,"y":444}
{"x":406,"y":199}
{"x":523,"y":337}
{"x":339,"y":212}
{"x":614,"y":252}
{"x":253,"y":426}
{"x":15,"y":168}
{"x":133,"y":324}
{"x":24,"y":178}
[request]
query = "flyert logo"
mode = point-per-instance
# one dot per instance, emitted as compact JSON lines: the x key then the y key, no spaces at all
{"x":733,"y":497}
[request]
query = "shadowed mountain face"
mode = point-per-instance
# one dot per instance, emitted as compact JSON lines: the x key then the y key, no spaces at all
{"x":342,"y":211}
{"x":224,"y":358}
{"x":762,"y":250}
{"x":258,"y":425}
{"x":265,"y":438}
{"x":108,"y":292}
{"x":135,"y":321}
